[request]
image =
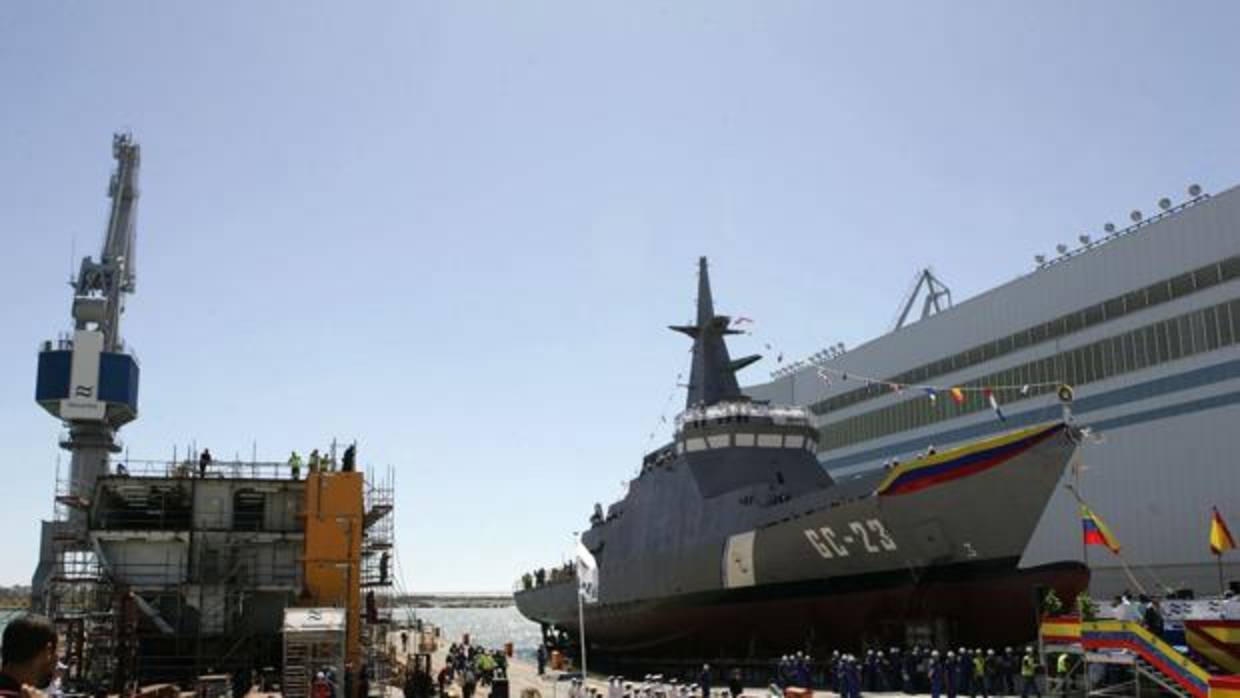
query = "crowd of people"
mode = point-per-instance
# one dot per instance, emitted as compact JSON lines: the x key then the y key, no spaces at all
{"x":962,"y":672}
{"x":539,"y":577}
{"x":919,"y":670}
{"x":325,"y":462}
{"x":470,"y":666}
{"x":317,"y":462}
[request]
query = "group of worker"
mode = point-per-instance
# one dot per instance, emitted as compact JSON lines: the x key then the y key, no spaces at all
{"x":918,"y":670}
{"x":963,"y":672}
{"x":323,"y":462}
{"x":470,"y":666}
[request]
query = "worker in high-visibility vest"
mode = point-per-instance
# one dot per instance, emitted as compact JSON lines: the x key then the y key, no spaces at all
{"x":1028,"y":675}
{"x":294,"y":465}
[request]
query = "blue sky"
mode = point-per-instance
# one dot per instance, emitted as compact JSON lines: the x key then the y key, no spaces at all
{"x":456,"y":231}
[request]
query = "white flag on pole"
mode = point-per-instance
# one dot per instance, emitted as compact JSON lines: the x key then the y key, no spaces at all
{"x":587,"y":574}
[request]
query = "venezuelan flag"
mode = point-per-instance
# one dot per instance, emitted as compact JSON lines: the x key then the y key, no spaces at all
{"x":1096,"y":532}
{"x":1220,"y":537}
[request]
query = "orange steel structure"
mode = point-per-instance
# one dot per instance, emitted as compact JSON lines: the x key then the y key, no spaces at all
{"x":334,"y":512}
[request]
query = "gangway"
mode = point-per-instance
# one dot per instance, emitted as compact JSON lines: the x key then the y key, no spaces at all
{"x":1127,"y":642}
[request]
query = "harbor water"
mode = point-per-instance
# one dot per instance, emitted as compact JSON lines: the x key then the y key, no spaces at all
{"x":488,"y":627}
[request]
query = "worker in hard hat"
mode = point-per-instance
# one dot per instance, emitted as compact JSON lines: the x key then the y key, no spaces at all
{"x":294,"y":465}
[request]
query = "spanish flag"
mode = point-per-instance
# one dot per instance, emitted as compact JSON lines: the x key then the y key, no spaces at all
{"x":1220,"y":537}
{"x":957,"y":395}
{"x":1096,"y":532}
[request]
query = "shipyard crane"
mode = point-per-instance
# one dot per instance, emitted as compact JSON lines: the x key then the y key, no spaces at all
{"x":938,"y":297}
{"x":88,"y":380}
{"x":101,"y":286}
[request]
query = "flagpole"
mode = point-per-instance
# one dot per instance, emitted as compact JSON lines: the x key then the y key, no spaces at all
{"x":1219,"y":557}
{"x":581,"y":615}
{"x":1131,"y":577}
{"x":581,"y":625}
{"x":1076,"y":480}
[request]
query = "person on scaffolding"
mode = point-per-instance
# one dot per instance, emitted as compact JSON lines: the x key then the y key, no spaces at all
{"x":316,"y":461}
{"x":350,"y":459}
{"x":294,"y":465}
{"x":204,"y":461}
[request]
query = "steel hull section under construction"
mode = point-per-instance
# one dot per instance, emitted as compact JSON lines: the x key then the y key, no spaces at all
{"x":933,"y":545}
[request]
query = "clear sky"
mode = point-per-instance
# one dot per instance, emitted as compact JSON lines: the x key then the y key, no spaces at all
{"x":456,"y":231}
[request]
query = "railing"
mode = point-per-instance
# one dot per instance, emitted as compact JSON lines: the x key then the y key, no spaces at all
{"x":779,"y":414}
{"x":1125,"y":231}
{"x":217,"y":469}
{"x":550,"y":580}
{"x":1131,"y":636}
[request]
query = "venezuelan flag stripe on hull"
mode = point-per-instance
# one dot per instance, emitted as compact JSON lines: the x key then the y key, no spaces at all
{"x":963,"y":462}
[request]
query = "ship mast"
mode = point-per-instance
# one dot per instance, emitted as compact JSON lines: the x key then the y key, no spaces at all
{"x":712,"y":378}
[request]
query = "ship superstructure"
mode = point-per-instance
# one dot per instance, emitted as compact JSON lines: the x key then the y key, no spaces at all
{"x":734,"y":541}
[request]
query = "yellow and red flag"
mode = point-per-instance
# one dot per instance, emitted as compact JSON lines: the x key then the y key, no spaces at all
{"x":957,"y":395}
{"x":1096,"y":532}
{"x":1220,"y":537}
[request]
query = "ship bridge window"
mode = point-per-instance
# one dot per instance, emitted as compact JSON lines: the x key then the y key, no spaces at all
{"x":695,"y":444}
{"x":794,"y":442}
{"x":717,"y":440}
{"x":745,"y":439}
{"x":770,"y":440}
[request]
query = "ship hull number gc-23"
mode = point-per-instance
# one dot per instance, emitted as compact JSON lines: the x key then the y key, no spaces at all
{"x":868,"y":536}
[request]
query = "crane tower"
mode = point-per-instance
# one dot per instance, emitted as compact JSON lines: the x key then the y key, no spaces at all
{"x":88,"y":379}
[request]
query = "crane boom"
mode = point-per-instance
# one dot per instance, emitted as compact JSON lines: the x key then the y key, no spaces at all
{"x":101,"y":286}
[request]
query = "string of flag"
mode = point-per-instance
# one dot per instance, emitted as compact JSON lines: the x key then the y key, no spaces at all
{"x":676,"y":386}
{"x":958,"y":394}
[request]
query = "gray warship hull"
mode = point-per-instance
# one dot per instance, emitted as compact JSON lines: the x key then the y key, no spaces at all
{"x":861,"y":562}
{"x":734,"y":541}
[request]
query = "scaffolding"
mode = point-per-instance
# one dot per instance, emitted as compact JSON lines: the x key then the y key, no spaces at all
{"x":77,"y":597}
{"x":190,"y":573}
{"x":378,"y":548}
